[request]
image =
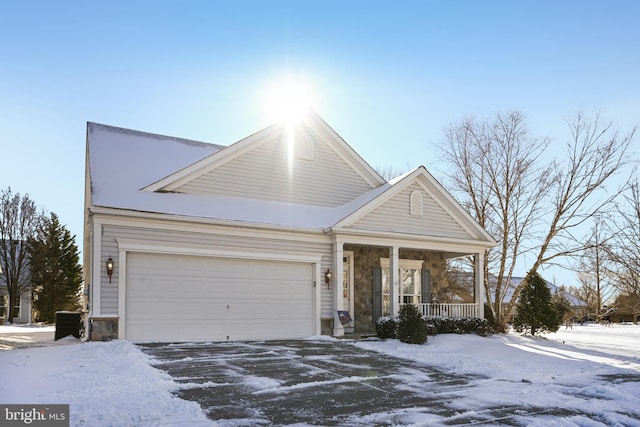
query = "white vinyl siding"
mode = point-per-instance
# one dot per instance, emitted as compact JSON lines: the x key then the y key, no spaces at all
{"x":284,"y":243}
{"x":109,"y":289}
{"x":394,"y":216}
{"x":184,"y":298}
{"x":270,"y":172}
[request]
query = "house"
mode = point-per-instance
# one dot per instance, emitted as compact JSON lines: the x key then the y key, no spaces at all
{"x":268,"y":238}
{"x":579,"y":308}
{"x":22,"y":313}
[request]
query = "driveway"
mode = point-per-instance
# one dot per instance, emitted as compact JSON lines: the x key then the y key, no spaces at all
{"x":313,"y":382}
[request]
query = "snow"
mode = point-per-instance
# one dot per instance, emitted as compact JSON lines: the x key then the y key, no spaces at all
{"x":105,"y":384}
{"x":590,"y":369}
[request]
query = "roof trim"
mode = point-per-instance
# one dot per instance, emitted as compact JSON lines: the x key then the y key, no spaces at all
{"x":192,"y":171}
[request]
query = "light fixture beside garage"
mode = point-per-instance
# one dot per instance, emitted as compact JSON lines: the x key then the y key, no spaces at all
{"x":110,"y":268}
{"x":327,"y":278}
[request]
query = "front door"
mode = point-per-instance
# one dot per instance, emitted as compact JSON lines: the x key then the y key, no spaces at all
{"x":347,"y":288}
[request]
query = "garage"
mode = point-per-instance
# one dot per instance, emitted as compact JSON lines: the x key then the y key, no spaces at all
{"x":189,"y":298}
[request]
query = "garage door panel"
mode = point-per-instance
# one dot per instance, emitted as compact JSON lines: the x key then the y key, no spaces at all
{"x":176,"y":298}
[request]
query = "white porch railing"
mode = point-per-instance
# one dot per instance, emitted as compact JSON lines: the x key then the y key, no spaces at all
{"x":449,"y":310}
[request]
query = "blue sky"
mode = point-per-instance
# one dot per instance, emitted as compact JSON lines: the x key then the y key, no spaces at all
{"x":387,"y":76}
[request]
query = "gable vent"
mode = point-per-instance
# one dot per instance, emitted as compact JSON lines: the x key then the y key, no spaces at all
{"x":304,"y":146}
{"x":416,"y":203}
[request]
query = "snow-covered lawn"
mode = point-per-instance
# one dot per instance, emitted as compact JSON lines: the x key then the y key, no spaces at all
{"x":591,"y":369}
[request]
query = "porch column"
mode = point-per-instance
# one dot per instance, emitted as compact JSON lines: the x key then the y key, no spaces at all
{"x":394,"y":271}
{"x":478,"y":266}
{"x":336,"y":286}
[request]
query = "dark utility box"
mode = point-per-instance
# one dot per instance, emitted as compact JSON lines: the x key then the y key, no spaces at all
{"x":67,"y":323}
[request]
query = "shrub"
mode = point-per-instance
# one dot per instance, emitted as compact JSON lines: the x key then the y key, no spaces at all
{"x":411,"y":326}
{"x":387,"y":327}
{"x":494,"y":326}
{"x":457,"y":325}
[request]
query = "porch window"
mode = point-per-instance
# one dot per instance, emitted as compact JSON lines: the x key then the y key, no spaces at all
{"x":410,"y":288}
{"x":386,"y":303}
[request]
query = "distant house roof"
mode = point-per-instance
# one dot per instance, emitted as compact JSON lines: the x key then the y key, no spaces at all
{"x":515,"y":282}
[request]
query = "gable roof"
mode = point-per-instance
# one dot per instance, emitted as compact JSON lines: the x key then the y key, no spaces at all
{"x":124,"y":164}
{"x":450,"y":208}
{"x":309,"y":121}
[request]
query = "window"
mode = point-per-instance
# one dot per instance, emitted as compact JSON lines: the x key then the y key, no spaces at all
{"x":3,"y":304}
{"x":386,"y":305}
{"x":410,"y":289}
{"x":411,"y":286}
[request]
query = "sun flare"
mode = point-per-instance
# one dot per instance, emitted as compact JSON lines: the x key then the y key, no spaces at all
{"x":288,"y":99}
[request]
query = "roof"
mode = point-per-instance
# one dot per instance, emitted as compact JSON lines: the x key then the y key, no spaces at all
{"x":143,"y":172}
{"x":124,"y":163}
{"x":515,"y":282}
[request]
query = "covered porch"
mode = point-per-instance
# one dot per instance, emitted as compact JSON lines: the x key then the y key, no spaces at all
{"x":372,"y":278}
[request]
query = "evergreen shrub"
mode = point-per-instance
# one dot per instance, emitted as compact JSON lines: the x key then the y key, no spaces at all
{"x":387,"y":327}
{"x":411,"y":326}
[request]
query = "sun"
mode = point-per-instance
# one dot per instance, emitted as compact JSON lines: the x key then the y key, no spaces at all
{"x":288,"y":98}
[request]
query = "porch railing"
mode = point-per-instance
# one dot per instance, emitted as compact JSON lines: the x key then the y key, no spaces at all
{"x":449,"y":310}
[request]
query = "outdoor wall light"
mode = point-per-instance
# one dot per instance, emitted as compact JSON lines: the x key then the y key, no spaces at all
{"x":327,"y":278}
{"x":110,"y":268}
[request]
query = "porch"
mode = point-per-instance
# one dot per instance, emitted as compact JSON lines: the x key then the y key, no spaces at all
{"x":448,"y":309}
{"x":371,"y":281}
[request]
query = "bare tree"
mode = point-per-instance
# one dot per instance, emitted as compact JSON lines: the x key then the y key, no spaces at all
{"x":496,"y":169}
{"x":19,"y":219}
{"x":530,"y":207}
{"x":595,"y":153}
{"x":389,"y":172}
{"x":587,"y":293}
{"x":625,"y":251}
{"x":594,"y":269}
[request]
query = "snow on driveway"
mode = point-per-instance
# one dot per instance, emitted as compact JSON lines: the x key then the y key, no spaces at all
{"x":587,"y":376}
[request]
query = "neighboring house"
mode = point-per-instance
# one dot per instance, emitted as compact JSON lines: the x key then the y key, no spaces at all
{"x":22,"y":313}
{"x":268,"y":238}
{"x":579,"y":307}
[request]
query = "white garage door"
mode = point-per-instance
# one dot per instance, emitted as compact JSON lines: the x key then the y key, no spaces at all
{"x":184,"y":298}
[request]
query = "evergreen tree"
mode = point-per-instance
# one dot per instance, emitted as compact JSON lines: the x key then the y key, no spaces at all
{"x":536,"y":309}
{"x":56,"y":273}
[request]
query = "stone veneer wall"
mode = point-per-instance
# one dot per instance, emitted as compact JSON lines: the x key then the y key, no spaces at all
{"x":364,"y":259}
{"x":368,"y":257}
{"x":105,"y":329}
